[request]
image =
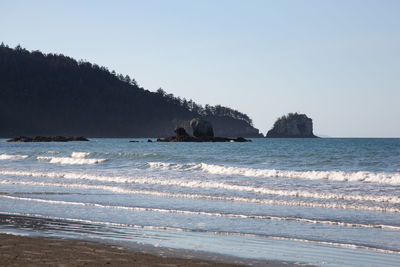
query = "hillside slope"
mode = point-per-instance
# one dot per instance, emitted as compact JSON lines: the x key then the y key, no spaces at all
{"x":49,"y":94}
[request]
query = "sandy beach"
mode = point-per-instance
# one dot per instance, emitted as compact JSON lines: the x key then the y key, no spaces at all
{"x":38,"y":251}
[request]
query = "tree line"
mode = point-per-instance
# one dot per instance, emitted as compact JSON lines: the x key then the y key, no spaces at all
{"x":53,"y":93}
{"x":207,"y":110}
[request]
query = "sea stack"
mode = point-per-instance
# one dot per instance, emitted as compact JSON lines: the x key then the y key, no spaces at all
{"x":202,"y":131}
{"x":292,"y":125}
{"x":201,"y":128}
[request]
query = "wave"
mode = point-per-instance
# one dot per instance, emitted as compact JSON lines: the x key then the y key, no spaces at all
{"x":80,"y":155}
{"x":122,"y":190}
{"x":176,"y":229}
{"x":84,"y":155}
{"x":71,"y":160}
{"x":206,"y":213}
{"x":52,"y":152}
{"x":12,"y":157}
{"x":361,"y":176}
{"x":213,"y":185}
{"x":175,"y":166}
{"x":137,"y":155}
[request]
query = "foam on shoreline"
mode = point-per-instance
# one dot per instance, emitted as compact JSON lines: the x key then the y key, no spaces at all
{"x":361,"y":176}
{"x":303,"y":203}
{"x":224,"y":233}
{"x":211,"y":185}
{"x":206,"y":213}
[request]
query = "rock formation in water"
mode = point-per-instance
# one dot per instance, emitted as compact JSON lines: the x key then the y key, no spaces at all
{"x":203,"y":132}
{"x":201,"y":128}
{"x":292,"y":125}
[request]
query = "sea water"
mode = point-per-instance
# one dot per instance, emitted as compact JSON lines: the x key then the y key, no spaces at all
{"x":331,"y":202}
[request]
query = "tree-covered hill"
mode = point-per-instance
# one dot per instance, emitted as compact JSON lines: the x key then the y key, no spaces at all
{"x":52,"y":94}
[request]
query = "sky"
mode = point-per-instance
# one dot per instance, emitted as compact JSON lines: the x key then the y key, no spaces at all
{"x":337,"y":61}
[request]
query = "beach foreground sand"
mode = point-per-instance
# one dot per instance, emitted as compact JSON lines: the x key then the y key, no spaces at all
{"x":38,"y":251}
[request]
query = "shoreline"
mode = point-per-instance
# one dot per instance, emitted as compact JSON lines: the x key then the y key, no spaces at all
{"x":18,"y":250}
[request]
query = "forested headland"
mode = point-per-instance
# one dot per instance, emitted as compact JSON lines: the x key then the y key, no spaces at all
{"x":53,"y":94}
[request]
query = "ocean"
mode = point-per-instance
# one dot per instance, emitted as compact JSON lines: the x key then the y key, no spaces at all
{"x":325,"y":201}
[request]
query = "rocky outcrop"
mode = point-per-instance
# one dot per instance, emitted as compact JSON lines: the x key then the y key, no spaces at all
{"x":182,"y":136}
{"x":293,"y":125}
{"x":201,"y":128}
{"x":225,"y":126}
{"x":48,"y":139}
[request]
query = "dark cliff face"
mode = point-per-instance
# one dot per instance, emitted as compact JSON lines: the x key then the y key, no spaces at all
{"x":223,"y":126}
{"x":226,"y":126}
{"x":293,"y":125}
{"x":50,"y":95}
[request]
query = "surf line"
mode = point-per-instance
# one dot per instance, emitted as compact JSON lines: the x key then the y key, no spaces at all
{"x":176,"y":229}
{"x":218,"y":198}
{"x":206,"y":213}
{"x":210,"y":185}
{"x":340,"y":176}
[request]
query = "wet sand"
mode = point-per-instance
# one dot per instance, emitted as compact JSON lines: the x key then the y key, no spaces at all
{"x":38,"y":251}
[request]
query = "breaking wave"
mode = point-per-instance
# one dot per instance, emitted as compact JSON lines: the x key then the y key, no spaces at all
{"x":206,"y":213}
{"x":52,"y":152}
{"x":80,"y":155}
{"x":210,"y":185}
{"x":124,"y":190}
{"x":361,"y":176}
{"x":71,"y":160}
{"x":12,"y":157}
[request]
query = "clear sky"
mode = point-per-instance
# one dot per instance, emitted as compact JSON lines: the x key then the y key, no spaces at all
{"x":337,"y":61}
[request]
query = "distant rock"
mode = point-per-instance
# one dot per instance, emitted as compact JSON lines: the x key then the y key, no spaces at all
{"x":292,"y":125}
{"x":240,"y":139}
{"x":20,"y":139}
{"x":182,"y":136}
{"x":48,"y":139}
{"x":78,"y":138}
{"x":201,"y":128}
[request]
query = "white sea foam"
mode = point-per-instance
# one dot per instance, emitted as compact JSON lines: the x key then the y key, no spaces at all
{"x":12,"y":157}
{"x":79,"y":158}
{"x":304,"y":203}
{"x":205,"y":213}
{"x":174,"y":166}
{"x":80,"y":155}
{"x":211,"y":185}
{"x":71,"y":160}
{"x":362,"y":176}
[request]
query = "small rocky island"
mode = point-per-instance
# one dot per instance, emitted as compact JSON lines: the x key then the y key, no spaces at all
{"x":292,"y":125}
{"x":25,"y":139}
{"x":202,"y":132}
